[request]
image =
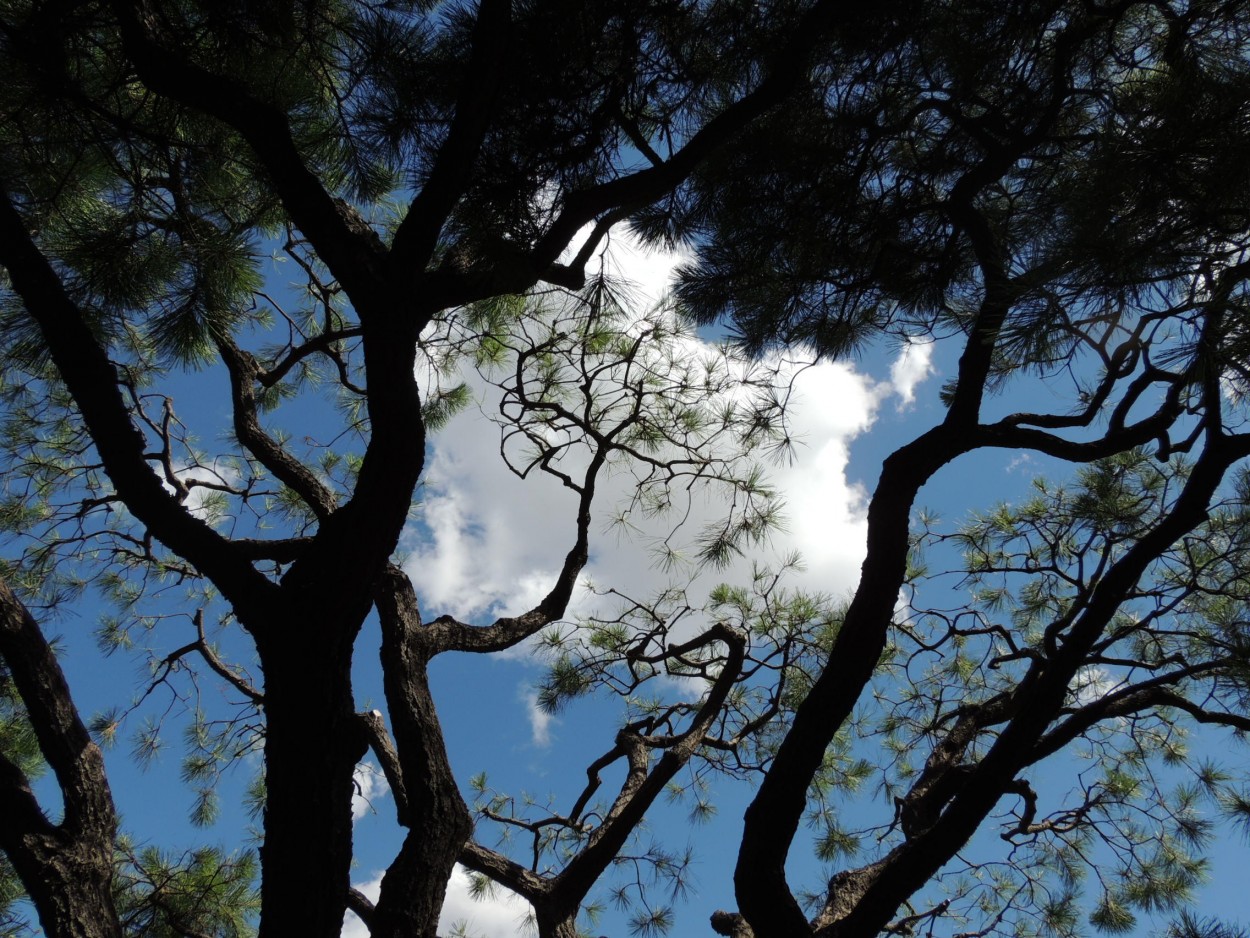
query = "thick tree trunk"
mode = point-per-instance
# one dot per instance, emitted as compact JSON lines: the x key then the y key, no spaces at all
{"x":557,"y":925}
{"x":312,"y":744}
{"x":71,"y":888}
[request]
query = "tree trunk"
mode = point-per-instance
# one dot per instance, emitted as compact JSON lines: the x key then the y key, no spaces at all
{"x":439,"y":821}
{"x":312,"y":744}
{"x":556,"y":926}
{"x":415,"y":883}
{"x":67,"y":869}
{"x":71,"y":888}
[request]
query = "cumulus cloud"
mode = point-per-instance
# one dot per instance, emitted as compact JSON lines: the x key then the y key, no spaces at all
{"x":540,"y":719}
{"x":371,"y":787}
{"x":913,"y":365}
{"x":203,"y":499}
{"x":487,"y":543}
{"x":490,"y":540}
{"x":491,"y":544}
{"x":497,"y":914}
{"x":826,"y":510}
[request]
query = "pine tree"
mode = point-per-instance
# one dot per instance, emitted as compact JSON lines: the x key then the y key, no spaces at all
{"x":422,"y":167}
{"x":1060,"y":191}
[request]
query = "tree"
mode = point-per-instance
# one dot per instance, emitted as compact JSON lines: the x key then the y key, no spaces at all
{"x":1060,"y":190}
{"x":1057,"y":188}
{"x":422,"y":165}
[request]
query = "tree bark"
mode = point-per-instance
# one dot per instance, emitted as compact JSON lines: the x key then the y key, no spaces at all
{"x":1040,"y":698}
{"x":67,"y":868}
{"x":557,"y":926}
{"x":313,"y":742}
{"x":415,"y":883}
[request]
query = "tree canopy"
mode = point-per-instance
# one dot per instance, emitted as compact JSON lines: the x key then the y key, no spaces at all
{"x":1056,"y":192}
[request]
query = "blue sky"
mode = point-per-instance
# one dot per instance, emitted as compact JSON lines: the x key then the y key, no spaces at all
{"x":484,"y":543}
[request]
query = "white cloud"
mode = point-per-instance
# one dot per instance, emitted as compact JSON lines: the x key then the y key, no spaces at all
{"x":491,"y":544}
{"x":1020,"y":461}
{"x":540,"y":719}
{"x":353,"y":927}
{"x":826,"y":511}
{"x":913,"y":365}
{"x":644,"y":273}
{"x":371,"y":786}
{"x":500,"y":914}
{"x":494,"y":542}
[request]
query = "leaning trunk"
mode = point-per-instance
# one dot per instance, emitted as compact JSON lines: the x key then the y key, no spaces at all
{"x":67,"y":868}
{"x":439,"y":823}
{"x":415,"y":884}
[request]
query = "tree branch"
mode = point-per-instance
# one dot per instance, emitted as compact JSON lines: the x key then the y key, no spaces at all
{"x":1037,"y":699}
{"x":1155,"y":692}
{"x":448,"y":634}
{"x":360,"y":905}
{"x":418,"y":234}
{"x":388,"y":756}
{"x":286,"y":468}
{"x":638,"y":793}
{"x":787,"y":68}
{"x":214,"y":661}
{"x":349,"y":248}
{"x":91,"y":378}
{"x":67,"y":870}
{"x":508,"y":873}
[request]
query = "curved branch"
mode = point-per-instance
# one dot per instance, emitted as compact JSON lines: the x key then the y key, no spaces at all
{"x":92,"y":380}
{"x":67,"y":869}
{"x":1155,"y":692}
{"x":1038,"y":698}
{"x":786,"y":70}
{"x":1008,"y":434}
{"x":285,"y":467}
{"x":418,"y":233}
{"x":361,"y":907}
{"x":511,"y":875}
{"x":388,"y":756}
{"x":214,"y":661}
{"x":350,"y":249}
{"x":448,"y":634}
{"x":638,"y":793}
{"x":324,"y":342}
{"x":439,"y":821}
